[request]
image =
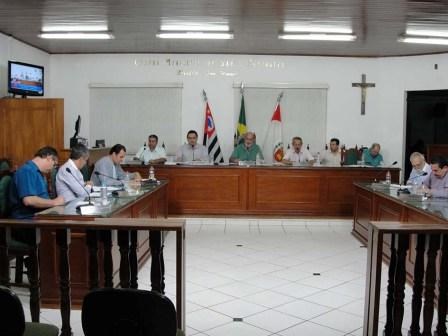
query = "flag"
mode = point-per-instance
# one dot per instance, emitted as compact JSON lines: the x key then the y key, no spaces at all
{"x":241,"y":127}
{"x":211,"y":137}
{"x":274,"y":138}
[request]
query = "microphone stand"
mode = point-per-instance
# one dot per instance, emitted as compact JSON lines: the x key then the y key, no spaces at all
{"x":68,"y":170}
{"x":376,"y":176}
{"x":97,"y":173}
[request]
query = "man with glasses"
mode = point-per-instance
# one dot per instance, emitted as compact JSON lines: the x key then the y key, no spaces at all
{"x":70,"y":182}
{"x":29,"y":191}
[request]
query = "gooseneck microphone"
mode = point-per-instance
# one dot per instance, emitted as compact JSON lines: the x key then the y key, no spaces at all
{"x":68,"y":170}
{"x":192,"y":149}
{"x":417,"y":176}
{"x":97,"y":173}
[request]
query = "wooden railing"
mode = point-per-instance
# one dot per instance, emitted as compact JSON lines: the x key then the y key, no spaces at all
{"x":430,"y":274}
{"x":99,"y":230}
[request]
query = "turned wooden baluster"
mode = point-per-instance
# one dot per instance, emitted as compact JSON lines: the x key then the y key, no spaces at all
{"x":400,"y":280}
{"x":125,"y":272}
{"x":443,"y":290}
{"x":417,"y":289}
{"x":92,"y":245}
{"x":34,"y":277}
{"x":133,"y":262}
{"x":5,"y":238}
{"x":63,"y":242}
{"x":106,"y":237}
{"x":430,"y":280}
{"x":390,"y":287}
{"x":155,"y":243}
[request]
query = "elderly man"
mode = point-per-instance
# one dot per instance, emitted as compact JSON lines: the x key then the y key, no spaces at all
{"x":29,"y":191}
{"x":297,"y":154}
{"x":437,"y":183}
{"x":332,"y":157}
{"x":192,"y":151}
{"x":152,"y":154}
{"x":108,"y":170}
{"x":419,"y":168}
{"x":372,"y":156}
{"x":246,"y":151}
{"x":69,"y":180}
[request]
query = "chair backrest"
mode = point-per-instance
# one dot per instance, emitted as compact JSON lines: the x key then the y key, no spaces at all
{"x":351,"y":156}
{"x":5,"y":185}
{"x":127,"y":312}
{"x":12,"y":318}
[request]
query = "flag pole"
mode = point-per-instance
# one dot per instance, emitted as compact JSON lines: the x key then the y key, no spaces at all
{"x":279,"y":98}
{"x":204,"y":95}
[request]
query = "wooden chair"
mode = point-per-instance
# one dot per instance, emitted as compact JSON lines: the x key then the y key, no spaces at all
{"x":12,"y":318}
{"x":128,"y":312}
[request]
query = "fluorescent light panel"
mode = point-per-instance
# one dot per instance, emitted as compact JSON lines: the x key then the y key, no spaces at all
{"x":291,"y":28}
{"x":194,"y":27}
{"x":195,"y":35}
{"x":75,"y":28}
{"x":77,"y":35}
{"x":423,"y":40}
{"x":318,"y":37}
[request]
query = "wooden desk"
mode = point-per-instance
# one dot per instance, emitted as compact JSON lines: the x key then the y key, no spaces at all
{"x":262,"y":190}
{"x":152,"y":204}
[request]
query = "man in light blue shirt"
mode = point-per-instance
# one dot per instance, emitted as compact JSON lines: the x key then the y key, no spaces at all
{"x":372,"y":156}
{"x":419,"y":168}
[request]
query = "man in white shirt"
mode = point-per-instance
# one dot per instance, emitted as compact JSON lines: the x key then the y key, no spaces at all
{"x":152,"y":154}
{"x":192,"y":151}
{"x":332,"y":157}
{"x":419,"y":168}
{"x":69,"y":180}
{"x":297,"y":154}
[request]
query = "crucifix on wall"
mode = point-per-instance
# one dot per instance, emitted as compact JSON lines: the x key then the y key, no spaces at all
{"x":363,"y":85}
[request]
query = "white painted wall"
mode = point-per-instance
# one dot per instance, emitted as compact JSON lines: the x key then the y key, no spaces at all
{"x":70,"y":76}
{"x":13,"y":50}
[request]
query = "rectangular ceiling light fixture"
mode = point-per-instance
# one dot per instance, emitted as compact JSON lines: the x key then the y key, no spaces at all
{"x":293,"y":31}
{"x":180,"y":29}
{"x":77,"y":35}
{"x":424,"y":36}
{"x":75,"y":28}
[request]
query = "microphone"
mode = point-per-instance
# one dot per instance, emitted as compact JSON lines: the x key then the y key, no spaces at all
{"x":417,"y":176}
{"x":97,"y":173}
{"x":68,"y":170}
{"x":192,"y":149}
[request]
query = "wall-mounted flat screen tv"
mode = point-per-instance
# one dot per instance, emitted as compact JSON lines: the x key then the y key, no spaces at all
{"x":25,"y":79}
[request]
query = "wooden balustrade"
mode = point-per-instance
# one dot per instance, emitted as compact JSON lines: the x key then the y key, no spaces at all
{"x":99,"y":230}
{"x":428,"y":290}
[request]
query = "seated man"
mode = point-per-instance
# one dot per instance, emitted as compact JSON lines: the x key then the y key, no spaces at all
{"x":69,"y":179}
{"x":372,"y":156}
{"x":247,"y":150}
{"x":437,"y":183}
{"x":192,"y":151}
{"x":332,"y":157}
{"x":152,"y":154}
{"x":297,"y":154}
{"x":29,"y":191}
{"x":108,"y":170}
{"x":419,"y":167}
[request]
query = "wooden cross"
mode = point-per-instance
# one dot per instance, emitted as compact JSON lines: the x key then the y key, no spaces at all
{"x":363,"y":85}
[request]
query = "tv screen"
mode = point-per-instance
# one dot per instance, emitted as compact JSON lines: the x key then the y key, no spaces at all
{"x":25,"y":79}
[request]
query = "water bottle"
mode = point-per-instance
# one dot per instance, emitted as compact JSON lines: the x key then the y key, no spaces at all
{"x":388,"y":177}
{"x":258,"y":159}
{"x":151,"y":174}
{"x":318,"y":159}
{"x":103,"y":193}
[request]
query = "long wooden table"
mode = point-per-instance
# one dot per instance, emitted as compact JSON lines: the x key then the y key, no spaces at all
{"x":151,"y":204}
{"x":262,"y":190}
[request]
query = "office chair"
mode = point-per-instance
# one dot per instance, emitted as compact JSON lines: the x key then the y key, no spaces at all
{"x":128,"y":312}
{"x":12,"y":318}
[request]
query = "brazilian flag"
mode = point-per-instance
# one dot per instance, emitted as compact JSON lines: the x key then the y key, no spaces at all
{"x":241,"y":127}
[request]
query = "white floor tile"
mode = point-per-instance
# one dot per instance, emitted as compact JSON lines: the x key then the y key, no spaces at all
{"x":310,"y":329}
{"x":205,"y":319}
{"x":209,"y":297}
{"x":303,"y":309}
{"x":339,"y":320}
{"x":272,"y":320}
{"x":268,"y":299}
{"x":329,"y":299}
{"x":238,"y":308}
{"x":237,"y":329}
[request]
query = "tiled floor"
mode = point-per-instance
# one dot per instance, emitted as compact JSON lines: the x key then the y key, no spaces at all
{"x":281,"y":277}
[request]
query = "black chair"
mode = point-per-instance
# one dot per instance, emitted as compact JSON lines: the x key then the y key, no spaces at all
{"x":12,"y":318}
{"x":128,"y":312}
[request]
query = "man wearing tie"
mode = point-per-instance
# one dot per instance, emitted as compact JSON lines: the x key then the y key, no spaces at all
{"x":246,"y":151}
{"x":192,"y":151}
{"x":69,"y":180}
